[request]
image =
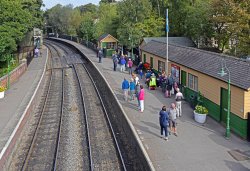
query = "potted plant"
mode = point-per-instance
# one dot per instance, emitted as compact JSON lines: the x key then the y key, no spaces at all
{"x":2,"y":89}
{"x":200,"y":113}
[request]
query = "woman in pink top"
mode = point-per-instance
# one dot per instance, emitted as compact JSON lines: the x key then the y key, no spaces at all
{"x":141,"y":98}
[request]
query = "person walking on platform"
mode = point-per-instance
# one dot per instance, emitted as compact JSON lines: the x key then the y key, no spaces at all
{"x":132,"y":89}
{"x":141,"y":98}
{"x":36,"y":52}
{"x":122,"y":63}
{"x":170,"y":82}
{"x":178,"y":98}
{"x":137,"y":90}
{"x":136,"y":79}
{"x":100,"y":55}
{"x":130,"y":65}
{"x":125,"y":88}
{"x":141,"y":73}
{"x":172,"y":119}
{"x":115,"y":61}
{"x":163,"y":119}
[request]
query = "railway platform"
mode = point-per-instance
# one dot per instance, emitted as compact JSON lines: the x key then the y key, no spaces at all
{"x":17,"y":102}
{"x":197,"y":147}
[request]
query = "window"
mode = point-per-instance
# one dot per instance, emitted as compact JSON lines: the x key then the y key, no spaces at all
{"x":193,"y":82}
{"x":111,"y":45}
{"x":145,"y":58}
{"x":161,"y":66}
{"x":152,"y":62}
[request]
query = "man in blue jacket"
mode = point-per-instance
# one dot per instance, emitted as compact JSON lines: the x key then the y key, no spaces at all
{"x":164,"y":116}
{"x":125,"y":88}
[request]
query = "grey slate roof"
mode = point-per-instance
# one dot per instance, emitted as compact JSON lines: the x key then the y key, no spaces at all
{"x":102,"y":36}
{"x":205,"y":62}
{"x":183,"y":41}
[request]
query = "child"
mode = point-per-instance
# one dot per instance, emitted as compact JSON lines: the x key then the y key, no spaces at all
{"x":141,"y":73}
{"x":132,"y":89}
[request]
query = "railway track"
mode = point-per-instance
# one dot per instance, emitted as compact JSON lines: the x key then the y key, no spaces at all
{"x":72,"y":110}
{"x":103,"y":147}
{"x":48,"y":129}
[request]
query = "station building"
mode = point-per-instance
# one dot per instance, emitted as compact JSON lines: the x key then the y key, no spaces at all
{"x":197,"y":71}
{"x":108,"y":42}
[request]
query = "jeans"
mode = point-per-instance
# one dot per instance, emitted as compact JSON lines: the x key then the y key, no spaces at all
{"x":123,"y":68}
{"x":100,"y":59}
{"x":178,"y":107}
{"x":125,"y":93}
{"x":129,"y":70}
{"x":164,"y":128}
{"x":115,"y":66}
{"x":142,"y":105}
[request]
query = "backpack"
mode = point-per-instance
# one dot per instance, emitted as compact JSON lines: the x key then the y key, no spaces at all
{"x":115,"y":60}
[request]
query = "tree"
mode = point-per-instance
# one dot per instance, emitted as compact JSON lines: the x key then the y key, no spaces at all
{"x":64,"y":19}
{"x":91,"y":8}
{"x":107,"y":14}
{"x":107,"y":1}
{"x":13,"y":25}
{"x":197,"y":23}
{"x":132,"y":12}
{"x":230,"y":19}
{"x":86,"y":29}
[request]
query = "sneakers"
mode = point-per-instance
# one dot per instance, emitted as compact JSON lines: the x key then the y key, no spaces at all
{"x":166,"y":138}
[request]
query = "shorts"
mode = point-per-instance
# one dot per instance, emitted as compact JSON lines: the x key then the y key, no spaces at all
{"x":173,"y":123}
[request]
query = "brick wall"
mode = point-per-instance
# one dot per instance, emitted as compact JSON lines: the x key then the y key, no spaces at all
{"x":14,"y":75}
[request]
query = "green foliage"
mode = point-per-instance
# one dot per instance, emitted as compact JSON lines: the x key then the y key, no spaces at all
{"x":107,"y":13}
{"x":230,"y":19}
{"x":86,"y":29}
{"x":201,"y":109}
{"x":64,"y":19}
{"x":17,"y":18}
{"x":131,"y":20}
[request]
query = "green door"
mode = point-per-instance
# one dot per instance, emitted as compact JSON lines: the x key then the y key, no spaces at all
{"x":183,"y":78}
{"x":151,"y":62}
{"x":223,"y":106}
{"x":144,"y":58}
{"x":183,"y":82}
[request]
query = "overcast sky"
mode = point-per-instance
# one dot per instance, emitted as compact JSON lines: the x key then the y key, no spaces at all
{"x":50,"y":3}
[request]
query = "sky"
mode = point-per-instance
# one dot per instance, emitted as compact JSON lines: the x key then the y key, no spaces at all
{"x":50,"y":3}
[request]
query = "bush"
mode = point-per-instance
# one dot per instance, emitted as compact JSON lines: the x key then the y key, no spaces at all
{"x":201,"y":109}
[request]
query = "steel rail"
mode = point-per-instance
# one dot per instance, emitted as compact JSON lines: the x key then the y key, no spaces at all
{"x":26,"y":160}
{"x":107,"y":117}
{"x":86,"y":120}
{"x":60,"y":126}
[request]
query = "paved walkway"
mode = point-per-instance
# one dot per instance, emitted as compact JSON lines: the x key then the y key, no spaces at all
{"x":197,"y":147}
{"x":18,"y":97}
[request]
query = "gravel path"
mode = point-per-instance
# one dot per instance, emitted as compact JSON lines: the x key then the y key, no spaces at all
{"x":71,"y":149}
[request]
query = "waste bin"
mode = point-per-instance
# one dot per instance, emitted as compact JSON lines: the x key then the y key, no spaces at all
{"x":193,"y":100}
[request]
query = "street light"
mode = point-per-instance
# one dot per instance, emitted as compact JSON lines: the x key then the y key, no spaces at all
{"x":223,"y":73}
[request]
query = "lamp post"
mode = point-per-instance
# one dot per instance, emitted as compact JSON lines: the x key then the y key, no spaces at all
{"x":223,"y":73}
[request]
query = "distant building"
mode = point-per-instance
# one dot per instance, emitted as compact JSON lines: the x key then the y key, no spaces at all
{"x":108,"y":42}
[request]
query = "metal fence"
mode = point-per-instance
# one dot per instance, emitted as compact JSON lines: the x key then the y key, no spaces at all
{"x":84,"y":42}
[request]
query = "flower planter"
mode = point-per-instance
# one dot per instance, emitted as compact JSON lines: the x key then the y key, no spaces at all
{"x":1,"y":94}
{"x":200,"y":118}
